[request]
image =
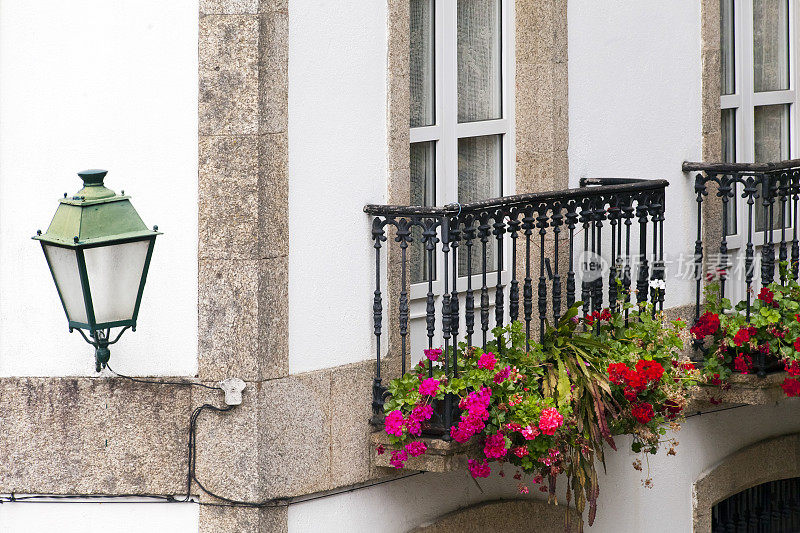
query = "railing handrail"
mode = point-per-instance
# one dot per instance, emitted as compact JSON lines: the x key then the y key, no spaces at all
{"x":630,"y":185}
{"x":722,"y":168}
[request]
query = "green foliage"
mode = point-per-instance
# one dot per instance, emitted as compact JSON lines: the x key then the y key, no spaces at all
{"x":567,"y":372}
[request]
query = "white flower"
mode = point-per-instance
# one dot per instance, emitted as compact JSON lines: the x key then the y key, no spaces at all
{"x":658,"y":284}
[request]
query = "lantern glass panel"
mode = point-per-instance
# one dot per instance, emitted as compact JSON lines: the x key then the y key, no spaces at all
{"x":114,"y":273}
{"x":64,"y":264}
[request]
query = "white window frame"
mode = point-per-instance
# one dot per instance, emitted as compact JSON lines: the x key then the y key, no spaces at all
{"x":744,"y":100}
{"x":446,"y":131}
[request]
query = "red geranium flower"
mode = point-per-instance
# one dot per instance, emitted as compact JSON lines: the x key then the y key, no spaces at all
{"x":742,"y":336}
{"x":791,"y":387}
{"x":707,"y":324}
{"x":766,"y":296}
{"x":617,"y":373}
{"x":743,"y":363}
{"x":797,"y":344}
{"x":643,"y":412}
{"x":650,"y":370}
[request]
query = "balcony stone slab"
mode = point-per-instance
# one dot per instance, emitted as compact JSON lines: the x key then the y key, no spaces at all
{"x":442,"y":456}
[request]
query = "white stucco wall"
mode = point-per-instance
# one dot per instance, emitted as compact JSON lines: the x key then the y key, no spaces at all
{"x":625,"y":506}
{"x":98,"y":84}
{"x":88,"y":517}
{"x":634,"y":105}
{"x":337,"y":164}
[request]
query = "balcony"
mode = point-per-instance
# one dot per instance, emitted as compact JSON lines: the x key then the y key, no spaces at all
{"x":751,"y":210}
{"x":471,"y":268}
{"x":485,"y":259}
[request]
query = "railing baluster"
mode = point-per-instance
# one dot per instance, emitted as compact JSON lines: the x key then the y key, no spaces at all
{"x":768,"y":249}
{"x":430,"y":239}
{"x":469,"y":300}
{"x":483,"y":234}
{"x":628,"y":211}
{"x":403,"y":237}
{"x":661,"y":266}
{"x":379,"y":236}
{"x":613,"y":218}
{"x":586,"y":218}
{"x":499,"y":310}
{"x":724,"y":192}
{"x":750,"y":191}
{"x":557,"y":221}
{"x":783,"y":253}
{"x":446,"y":293}
{"x":513,"y":292}
{"x":597,"y":286}
{"x":795,"y":240}
{"x":701,"y":191}
{"x":572,"y":220}
{"x":657,"y":274}
{"x":541,"y":223}
{"x":527,"y":290}
{"x":643,"y":277}
{"x":455,"y":234}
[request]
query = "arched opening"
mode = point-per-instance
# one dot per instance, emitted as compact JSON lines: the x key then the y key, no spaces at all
{"x":732,"y":493}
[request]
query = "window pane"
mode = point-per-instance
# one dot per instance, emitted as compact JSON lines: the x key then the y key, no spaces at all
{"x":423,"y":192}
{"x":114,"y":274}
{"x":729,"y":156}
{"x":422,"y":63}
{"x":771,"y":136}
{"x":770,"y":45}
{"x":480,"y":177}
{"x":726,"y":33}
{"x":479,"y":53}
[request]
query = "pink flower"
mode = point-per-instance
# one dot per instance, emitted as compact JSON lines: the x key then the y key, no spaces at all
{"x":495,"y":446}
{"x":421,"y":412}
{"x":394,"y":423}
{"x":550,"y":420}
{"x":477,"y":402}
{"x":530,"y":432}
{"x":398,"y":459}
{"x":479,"y":469}
{"x":502,"y":375}
{"x":416,"y":448}
{"x":523,"y":489}
{"x":414,"y":427}
{"x":433,"y":354}
{"x":380,"y":449}
{"x":487,"y":361}
{"x":520,"y":451}
{"x":552,"y":457}
{"x":429,"y":387}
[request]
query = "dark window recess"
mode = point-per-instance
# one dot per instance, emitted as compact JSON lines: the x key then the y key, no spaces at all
{"x":773,"y":507}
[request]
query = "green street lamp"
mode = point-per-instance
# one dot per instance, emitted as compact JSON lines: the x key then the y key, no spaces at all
{"x":98,"y":250}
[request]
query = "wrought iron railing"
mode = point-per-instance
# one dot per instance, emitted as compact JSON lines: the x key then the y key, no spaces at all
{"x":521,"y":237}
{"x":769,"y":196}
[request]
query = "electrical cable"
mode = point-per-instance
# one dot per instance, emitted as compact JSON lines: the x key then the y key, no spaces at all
{"x":699,"y":413}
{"x":191,"y":476}
{"x":180,"y":383}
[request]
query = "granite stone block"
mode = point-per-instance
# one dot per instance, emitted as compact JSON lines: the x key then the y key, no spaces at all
{"x":228,"y":197}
